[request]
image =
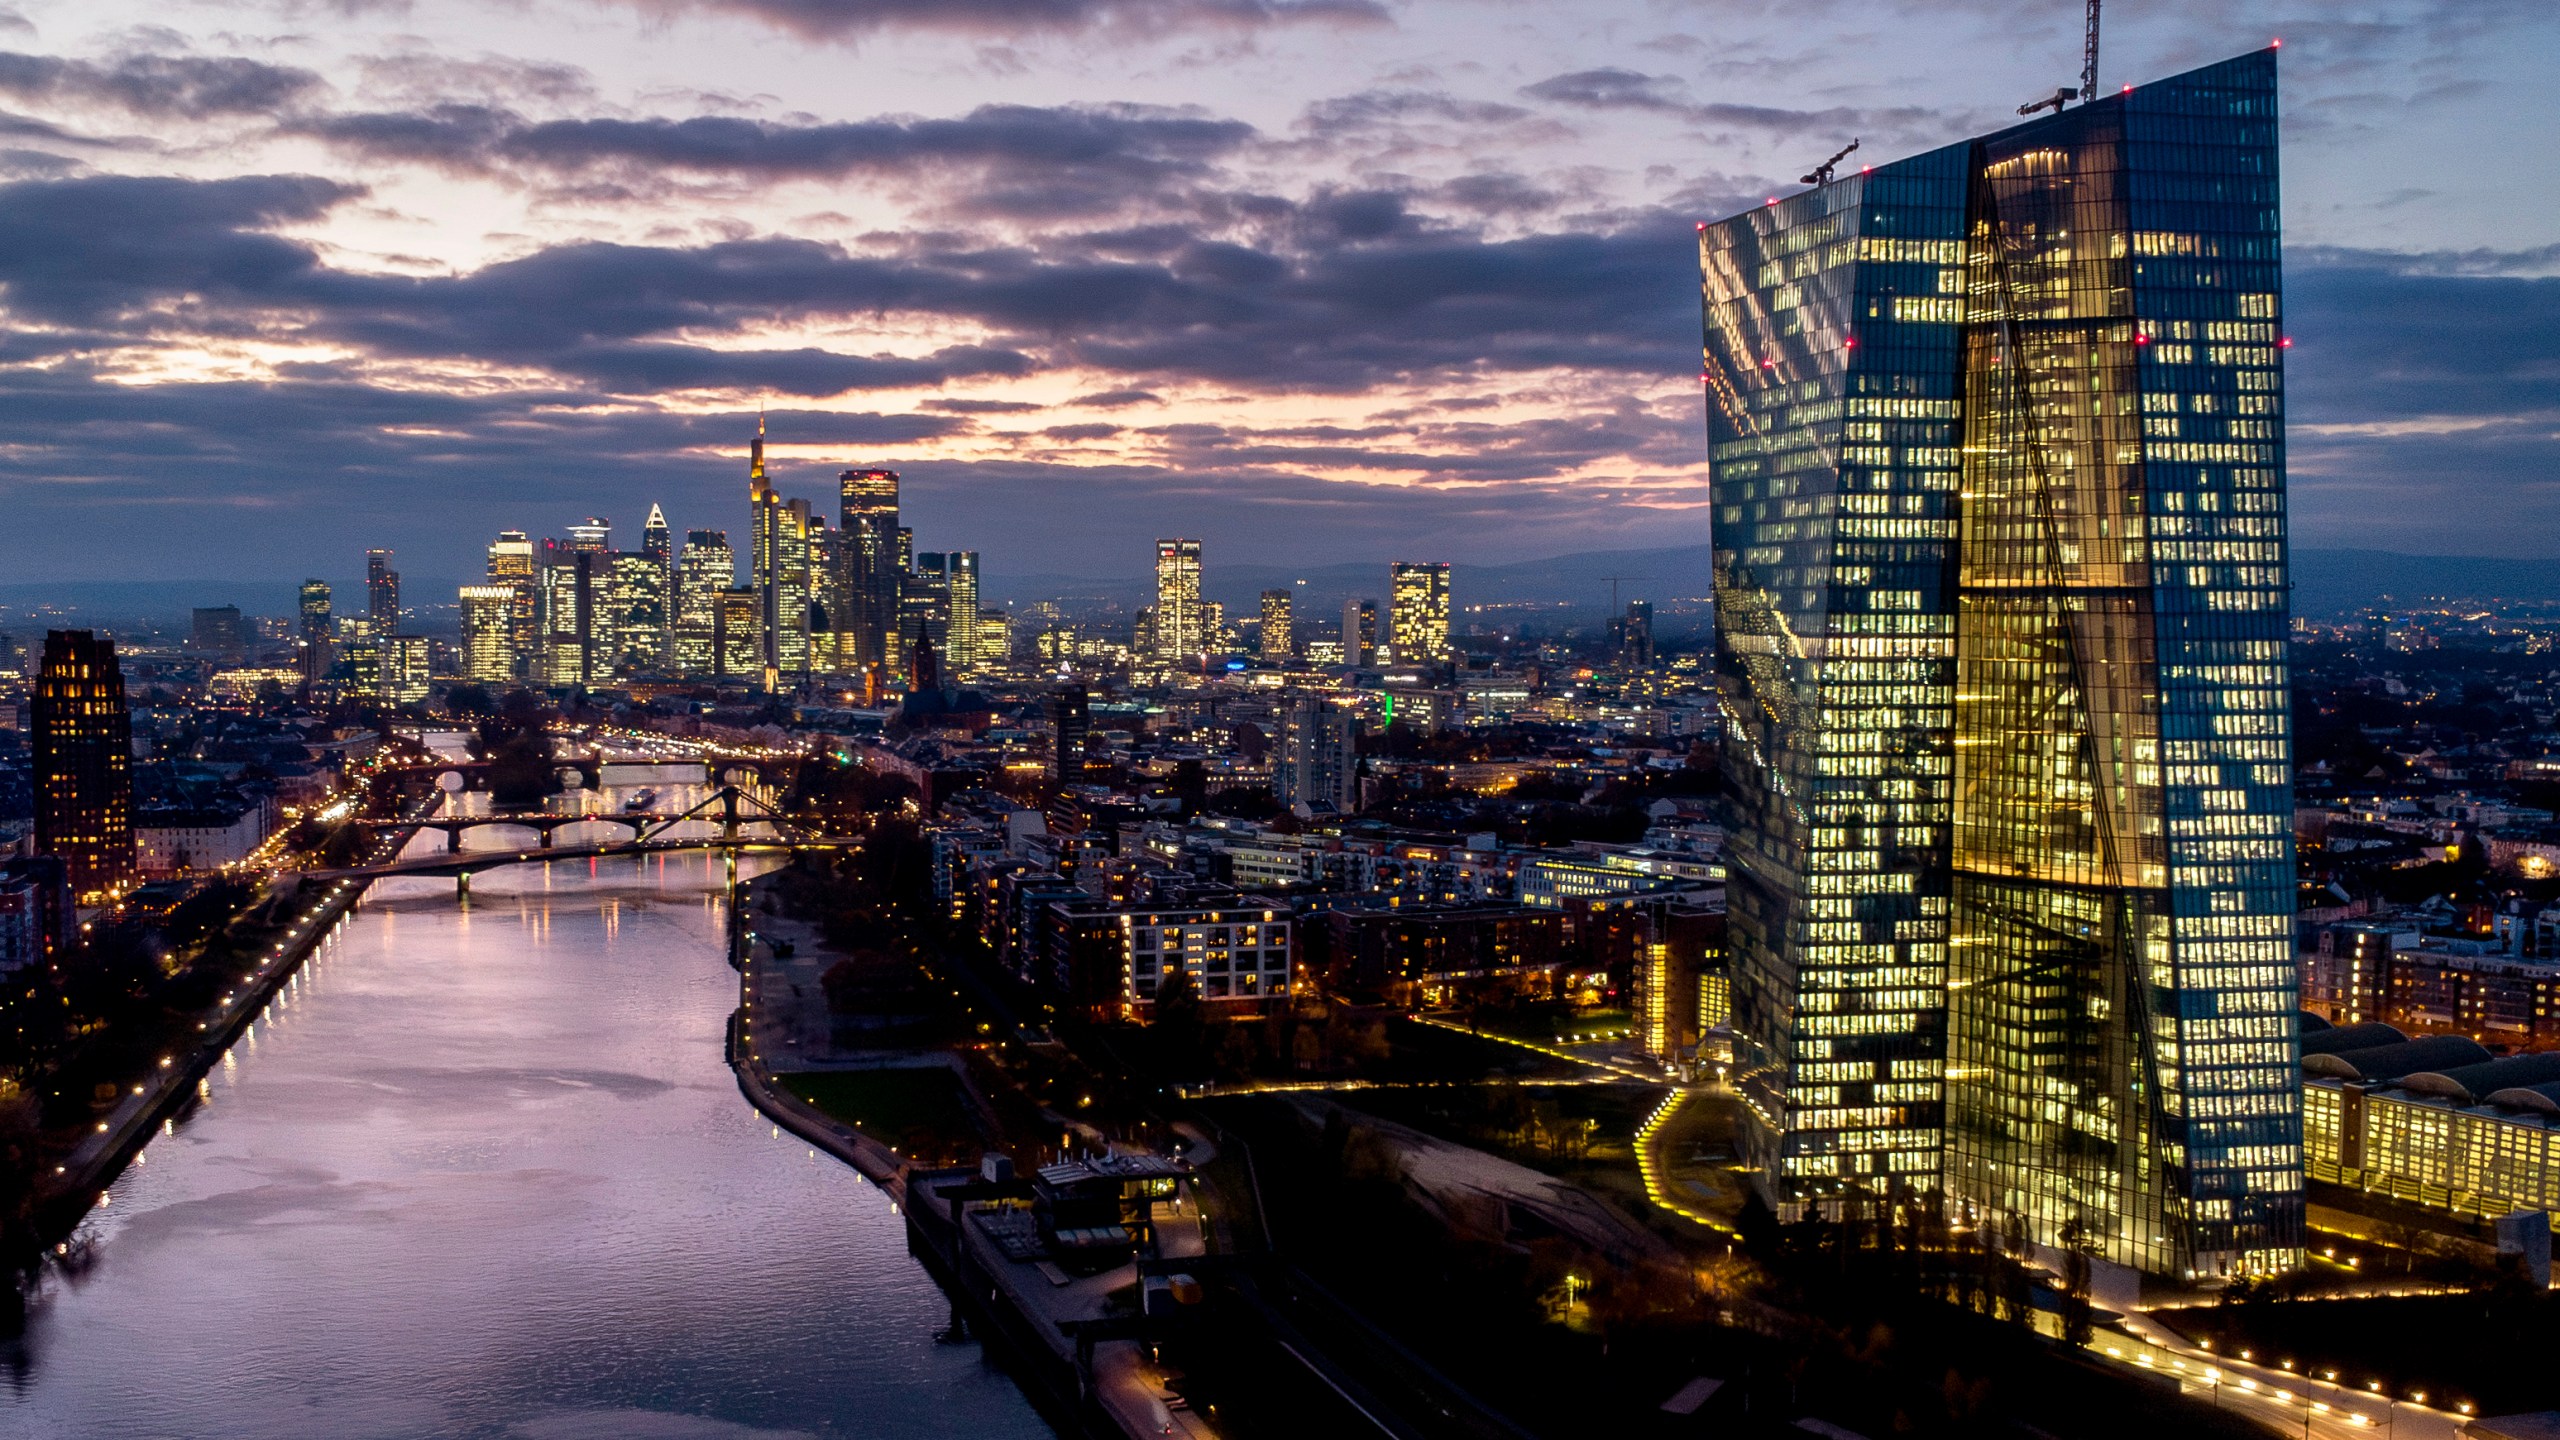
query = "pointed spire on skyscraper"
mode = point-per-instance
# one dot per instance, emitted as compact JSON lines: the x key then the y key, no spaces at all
{"x":656,"y":540}
{"x":758,"y":487}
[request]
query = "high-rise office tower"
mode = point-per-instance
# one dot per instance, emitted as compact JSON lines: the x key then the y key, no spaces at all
{"x":657,"y":541}
{"x":1316,"y":763}
{"x":381,"y":592}
{"x":315,"y":610}
{"x":488,"y":633}
{"x":1359,"y":632}
{"x":780,"y":566}
{"x":575,"y":583}
{"x":639,"y":611}
{"x":592,"y":536}
{"x":317,"y":645}
{"x":82,"y":748}
{"x":1278,"y":643}
{"x":1420,"y":596}
{"x":1179,"y":635}
{"x":925,"y":606}
{"x":2001,"y":616}
{"x":960,"y":573}
{"x":995,"y":637}
{"x":703,"y":571}
{"x":511,"y":565}
{"x":830,"y":612}
{"x":1070,"y":734}
{"x":1635,"y":636}
{"x":393,"y":669}
{"x":739,"y":642}
{"x":868,"y":550}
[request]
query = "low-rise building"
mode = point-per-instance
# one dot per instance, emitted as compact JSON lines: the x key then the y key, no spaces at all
{"x":2436,"y":1121}
{"x":1437,"y":952}
{"x":168,"y":842}
{"x":38,"y":920}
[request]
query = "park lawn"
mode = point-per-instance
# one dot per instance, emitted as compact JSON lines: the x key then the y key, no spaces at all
{"x":1572,"y":1028}
{"x":920,"y":1110}
{"x":1430,"y":1052}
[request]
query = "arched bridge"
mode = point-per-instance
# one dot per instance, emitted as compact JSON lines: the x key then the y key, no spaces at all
{"x":769,"y":771}
{"x":548,"y":824}
{"x":729,"y":807}
{"x":461,"y":865}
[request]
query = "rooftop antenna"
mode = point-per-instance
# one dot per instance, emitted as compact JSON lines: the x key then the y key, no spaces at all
{"x":2088,"y":75}
{"x":1822,"y":173}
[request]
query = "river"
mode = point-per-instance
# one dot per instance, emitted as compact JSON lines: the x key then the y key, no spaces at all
{"x":482,"y":1171}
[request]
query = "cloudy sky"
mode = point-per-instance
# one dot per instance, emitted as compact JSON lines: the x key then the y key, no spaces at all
{"x":1316,"y":280}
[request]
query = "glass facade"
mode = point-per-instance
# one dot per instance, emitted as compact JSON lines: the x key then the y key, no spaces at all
{"x":1833,"y":382}
{"x":2001,"y":639}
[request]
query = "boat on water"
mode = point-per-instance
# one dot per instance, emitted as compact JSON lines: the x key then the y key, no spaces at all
{"x":640,"y":802}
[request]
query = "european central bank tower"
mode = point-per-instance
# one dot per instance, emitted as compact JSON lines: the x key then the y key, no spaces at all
{"x":1998,"y":486}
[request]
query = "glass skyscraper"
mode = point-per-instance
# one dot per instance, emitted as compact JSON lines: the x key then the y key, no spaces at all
{"x":1999,"y":527}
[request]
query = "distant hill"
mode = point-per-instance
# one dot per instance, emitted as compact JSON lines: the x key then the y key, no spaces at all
{"x":2326,"y":582}
{"x":1579,"y":582}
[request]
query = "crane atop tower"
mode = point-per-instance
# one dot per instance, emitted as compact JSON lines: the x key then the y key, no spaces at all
{"x":2088,"y":91}
{"x":1821,"y":174}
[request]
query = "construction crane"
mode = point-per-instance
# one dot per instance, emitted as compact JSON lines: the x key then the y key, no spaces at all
{"x":1822,"y":173}
{"x":2088,"y":75}
{"x":1613,"y":590}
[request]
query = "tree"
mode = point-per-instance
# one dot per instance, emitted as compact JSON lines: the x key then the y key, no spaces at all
{"x":2078,"y":1319}
{"x":1180,"y":1018}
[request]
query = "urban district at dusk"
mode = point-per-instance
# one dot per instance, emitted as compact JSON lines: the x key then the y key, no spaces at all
{"x":1114,"y":749}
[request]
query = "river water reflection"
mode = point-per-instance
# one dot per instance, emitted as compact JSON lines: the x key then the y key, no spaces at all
{"x":483,"y":1171}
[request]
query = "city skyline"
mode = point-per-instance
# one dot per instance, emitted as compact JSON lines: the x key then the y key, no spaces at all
{"x":1977,"y":935}
{"x":1406,"y":278}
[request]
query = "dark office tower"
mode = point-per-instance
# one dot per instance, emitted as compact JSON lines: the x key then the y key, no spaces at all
{"x":575,"y":619}
{"x":1070,"y":734}
{"x":217,"y":631}
{"x":1635,"y":636}
{"x":869,"y":550}
{"x":83,"y":753}
{"x":381,"y":592}
{"x":925,"y":602}
{"x":2001,"y":616}
{"x":1360,"y":632}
